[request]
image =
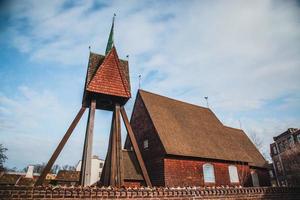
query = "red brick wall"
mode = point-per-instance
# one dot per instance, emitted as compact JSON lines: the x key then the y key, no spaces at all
{"x":263,"y":176}
{"x":133,"y":184}
{"x":143,"y":129}
{"x":181,"y":171}
{"x":76,"y":193}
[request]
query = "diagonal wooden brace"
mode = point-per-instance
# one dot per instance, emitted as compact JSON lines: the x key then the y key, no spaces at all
{"x":59,"y":147}
{"x":135,"y":147}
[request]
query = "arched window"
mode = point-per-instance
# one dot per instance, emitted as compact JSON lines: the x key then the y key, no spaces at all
{"x":233,"y":174}
{"x":255,"y":179}
{"x":208,"y":173}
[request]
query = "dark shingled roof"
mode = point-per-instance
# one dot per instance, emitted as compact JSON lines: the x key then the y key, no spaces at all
{"x":66,"y":175}
{"x":189,"y":130}
{"x":26,"y":181}
{"x":9,"y":179}
{"x":132,"y":170}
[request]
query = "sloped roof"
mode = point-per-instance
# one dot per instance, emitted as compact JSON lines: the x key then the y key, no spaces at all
{"x":108,"y":75}
{"x":9,"y":179}
{"x":27,"y":181}
{"x":189,"y":130}
{"x":67,"y":175}
{"x":132,"y":170}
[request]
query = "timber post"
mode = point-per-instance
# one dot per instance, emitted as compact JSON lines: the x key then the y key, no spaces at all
{"x":86,"y":162}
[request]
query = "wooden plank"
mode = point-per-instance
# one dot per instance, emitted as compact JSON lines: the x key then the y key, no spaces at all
{"x":119,"y":181}
{"x":113,"y":155}
{"x":105,"y":175}
{"x":135,"y":147}
{"x":60,"y":147}
{"x":86,"y":163}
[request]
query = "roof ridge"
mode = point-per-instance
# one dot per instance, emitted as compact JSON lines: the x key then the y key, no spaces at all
{"x":180,"y":101}
{"x":233,"y":128}
{"x":116,"y":57}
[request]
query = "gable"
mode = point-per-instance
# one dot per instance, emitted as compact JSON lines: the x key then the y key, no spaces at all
{"x":110,"y":78}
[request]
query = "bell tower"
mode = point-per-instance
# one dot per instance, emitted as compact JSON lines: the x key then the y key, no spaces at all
{"x":107,"y":87}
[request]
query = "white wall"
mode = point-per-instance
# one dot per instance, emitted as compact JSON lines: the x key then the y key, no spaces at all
{"x":96,"y":169}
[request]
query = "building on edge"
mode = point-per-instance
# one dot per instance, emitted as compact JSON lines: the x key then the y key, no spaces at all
{"x":285,"y":153}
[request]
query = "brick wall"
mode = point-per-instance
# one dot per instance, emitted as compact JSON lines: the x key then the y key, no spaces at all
{"x":263,"y":176}
{"x":187,"y":193}
{"x":180,"y":171}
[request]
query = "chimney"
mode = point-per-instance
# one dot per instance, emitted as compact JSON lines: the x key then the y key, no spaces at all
{"x":29,"y":173}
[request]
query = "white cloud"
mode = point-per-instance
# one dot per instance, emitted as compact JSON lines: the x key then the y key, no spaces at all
{"x":244,"y":55}
{"x":33,"y":122}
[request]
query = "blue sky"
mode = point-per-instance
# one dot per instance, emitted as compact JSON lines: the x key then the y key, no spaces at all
{"x":243,"y":55}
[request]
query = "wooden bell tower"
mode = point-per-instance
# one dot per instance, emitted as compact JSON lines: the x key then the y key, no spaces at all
{"x":107,"y":87}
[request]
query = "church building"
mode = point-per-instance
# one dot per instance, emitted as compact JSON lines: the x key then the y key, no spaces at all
{"x":187,"y":145}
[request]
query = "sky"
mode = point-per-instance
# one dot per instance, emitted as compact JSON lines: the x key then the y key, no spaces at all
{"x":243,"y":55}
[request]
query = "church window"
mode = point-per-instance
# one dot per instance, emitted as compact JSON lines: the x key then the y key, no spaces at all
{"x":146,"y":144}
{"x":255,"y":180}
{"x":233,"y":174}
{"x":208,"y":173}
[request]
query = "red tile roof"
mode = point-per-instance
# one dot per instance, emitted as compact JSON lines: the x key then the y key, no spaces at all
{"x":110,"y":78}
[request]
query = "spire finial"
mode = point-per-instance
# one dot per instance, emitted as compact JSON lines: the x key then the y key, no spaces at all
{"x":110,"y":42}
{"x":206,"y":98}
{"x":140,"y":78}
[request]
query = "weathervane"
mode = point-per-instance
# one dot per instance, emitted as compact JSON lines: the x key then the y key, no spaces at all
{"x":206,"y":98}
{"x":140,"y":77}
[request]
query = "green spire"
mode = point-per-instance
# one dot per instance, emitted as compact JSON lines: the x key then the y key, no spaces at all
{"x":110,"y":42}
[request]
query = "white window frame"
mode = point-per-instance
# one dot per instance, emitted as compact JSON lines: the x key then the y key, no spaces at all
{"x":233,"y":174}
{"x":298,"y":137}
{"x":275,"y":150}
{"x":209,"y":173}
{"x":146,"y":144}
{"x":255,"y":179}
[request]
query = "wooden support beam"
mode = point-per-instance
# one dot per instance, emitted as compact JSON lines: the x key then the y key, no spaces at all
{"x":60,"y":147}
{"x":112,"y":173}
{"x":119,"y":166}
{"x":105,"y":175}
{"x":112,"y":179}
{"x":135,"y":147}
{"x":86,"y":162}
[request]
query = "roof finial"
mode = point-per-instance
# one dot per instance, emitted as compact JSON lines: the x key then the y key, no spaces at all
{"x":140,"y":78}
{"x":90,"y":48}
{"x":206,"y":98}
{"x":240,"y":124}
{"x":110,"y":42}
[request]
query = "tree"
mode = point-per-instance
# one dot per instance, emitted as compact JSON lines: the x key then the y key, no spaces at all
{"x":38,"y":168}
{"x":258,"y":142}
{"x":55,"y":169}
{"x":3,"y":157}
{"x":68,"y":167}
